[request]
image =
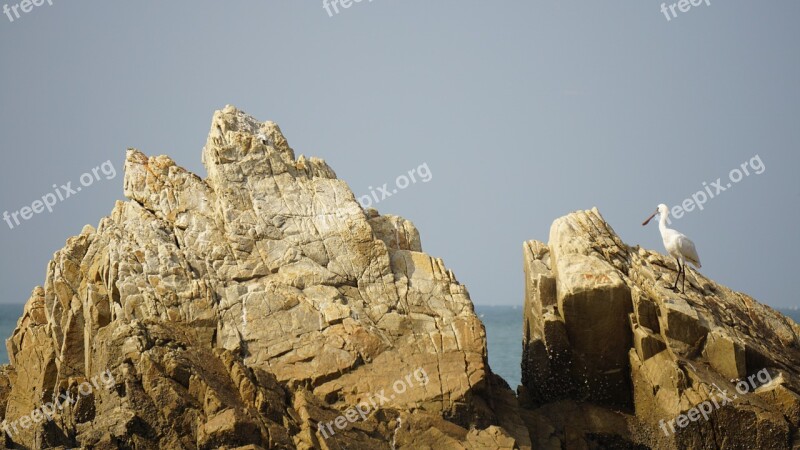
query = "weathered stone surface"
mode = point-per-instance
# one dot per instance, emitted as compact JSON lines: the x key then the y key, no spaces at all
{"x":646,"y":343}
{"x":593,"y":303}
{"x":724,"y":354}
{"x":397,"y":233}
{"x":573,"y":425}
{"x":248,"y":309}
{"x":681,"y":351}
{"x":786,"y":401}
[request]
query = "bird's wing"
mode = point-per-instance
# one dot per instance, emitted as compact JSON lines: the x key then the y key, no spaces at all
{"x":687,"y":249}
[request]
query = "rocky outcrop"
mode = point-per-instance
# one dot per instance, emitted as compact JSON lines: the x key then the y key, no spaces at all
{"x":257,"y":306}
{"x":263,"y":308}
{"x":707,"y":369}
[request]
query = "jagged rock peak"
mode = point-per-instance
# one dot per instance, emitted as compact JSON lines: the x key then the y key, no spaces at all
{"x":253,"y":307}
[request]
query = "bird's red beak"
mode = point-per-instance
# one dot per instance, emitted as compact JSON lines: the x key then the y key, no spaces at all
{"x":649,"y":219}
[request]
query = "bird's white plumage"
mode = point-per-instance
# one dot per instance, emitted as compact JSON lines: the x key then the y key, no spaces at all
{"x":676,"y":243}
{"x":680,"y":246}
{"x":687,"y":249}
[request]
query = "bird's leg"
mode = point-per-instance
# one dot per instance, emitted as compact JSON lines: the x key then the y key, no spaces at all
{"x":683,"y":287}
{"x":675,"y":287}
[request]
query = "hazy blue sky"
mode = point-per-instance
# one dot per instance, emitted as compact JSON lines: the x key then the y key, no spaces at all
{"x":522,"y":110}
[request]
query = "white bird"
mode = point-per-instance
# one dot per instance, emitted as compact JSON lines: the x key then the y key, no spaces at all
{"x":677,"y":244}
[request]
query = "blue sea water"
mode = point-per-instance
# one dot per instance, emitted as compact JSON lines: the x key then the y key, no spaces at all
{"x":504,"y":335}
{"x":9,"y":314}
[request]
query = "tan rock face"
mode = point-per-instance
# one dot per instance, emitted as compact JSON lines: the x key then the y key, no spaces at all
{"x":614,"y":334}
{"x":249,"y":308}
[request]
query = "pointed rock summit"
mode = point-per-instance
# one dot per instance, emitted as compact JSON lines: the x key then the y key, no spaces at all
{"x":253,"y":307}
